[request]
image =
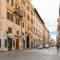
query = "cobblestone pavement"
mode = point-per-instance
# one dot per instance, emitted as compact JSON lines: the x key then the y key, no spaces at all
{"x":31,"y":54}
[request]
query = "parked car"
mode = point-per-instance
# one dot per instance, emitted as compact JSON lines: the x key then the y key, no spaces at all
{"x":40,"y":47}
{"x":46,"y":46}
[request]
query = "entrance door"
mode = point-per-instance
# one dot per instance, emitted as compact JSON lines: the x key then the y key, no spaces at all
{"x":17,"y":44}
{"x":9,"y":43}
{"x":23,"y":44}
{"x":27,"y":42}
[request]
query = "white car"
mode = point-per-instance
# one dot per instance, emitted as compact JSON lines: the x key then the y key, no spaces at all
{"x":46,"y":46}
{"x":40,"y":46}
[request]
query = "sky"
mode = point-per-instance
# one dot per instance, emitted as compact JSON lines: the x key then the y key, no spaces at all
{"x":49,"y":11}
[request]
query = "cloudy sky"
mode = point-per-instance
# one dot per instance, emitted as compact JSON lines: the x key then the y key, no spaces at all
{"x":49,"y":11}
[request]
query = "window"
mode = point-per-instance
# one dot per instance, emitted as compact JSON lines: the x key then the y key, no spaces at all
{"x":23,"y":24}
{"x":34,"y":40}
{"x":34,"y":28}
{"x":9,"y":30}
{"x":28,"y":27}
{"x":17,"y":8}
{"x":9,"y":16}
{"x":0,"y":42}
{"x":31,"y":20}
{"x":5,"y":43}
{"x":23,"y":12}
{"x":18,"y":32}
{"x":24,"y":2}
{"x":10,"y":2}
{"x":31,"y":13}
{"x":17,"y":21}
{"x":28,"y":17}
{"x":23,"y":34}
{"x":27,"y":8}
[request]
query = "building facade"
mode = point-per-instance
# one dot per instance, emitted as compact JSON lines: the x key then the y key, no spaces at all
{"x":11,"y":20}
{"x":20,"y":25}
{"x":17,"y":18}
{"x":29,"y":25}
{"x":58,"y":31}
{"x":38,"y":29}
{"x":46,"y":36}
{"x":58,"y":28}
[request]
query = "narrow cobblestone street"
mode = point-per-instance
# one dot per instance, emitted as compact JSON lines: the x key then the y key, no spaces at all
{"x":31,"y":54}
{"x":29,"y":30}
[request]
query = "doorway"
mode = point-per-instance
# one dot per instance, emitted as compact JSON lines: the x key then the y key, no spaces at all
{"x":27,"y":42}
{"x":9,"y":44}
{"x":23,"y":44}
{"x":17,"y":43}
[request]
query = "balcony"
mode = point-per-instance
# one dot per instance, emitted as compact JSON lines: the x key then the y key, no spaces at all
{"x":10,"y":35}
{"x":17,"y":35}
{"x":28,"y":31}
{"x":18,"y":13}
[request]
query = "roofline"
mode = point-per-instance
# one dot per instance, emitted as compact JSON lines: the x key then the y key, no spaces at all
{"x":38,"y":15}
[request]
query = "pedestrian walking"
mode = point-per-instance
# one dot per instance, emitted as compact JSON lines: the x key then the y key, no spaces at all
{"x":57,"y":47}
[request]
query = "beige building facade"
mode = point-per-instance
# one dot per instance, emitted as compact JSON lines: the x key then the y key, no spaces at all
{"x":58,"y":30}
{"x":10,"y":20}
{"x":46,"y":36}
{"x":17,"y":18}
{"x":38,"y":28}
{"x":20,"y":25}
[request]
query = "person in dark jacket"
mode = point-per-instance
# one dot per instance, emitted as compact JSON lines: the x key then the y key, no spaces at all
{"x":57,"y":47}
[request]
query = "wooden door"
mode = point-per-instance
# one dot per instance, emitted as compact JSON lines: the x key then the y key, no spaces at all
{"x":17,"y":44}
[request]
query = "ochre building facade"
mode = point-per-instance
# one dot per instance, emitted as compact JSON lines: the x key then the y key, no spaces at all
{"x":20,"y":25}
